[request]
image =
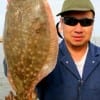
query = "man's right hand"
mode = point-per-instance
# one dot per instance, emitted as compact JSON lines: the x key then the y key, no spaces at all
{"x":10,"y":96}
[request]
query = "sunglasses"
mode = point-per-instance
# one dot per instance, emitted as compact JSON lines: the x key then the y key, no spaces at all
{"x":72,"y":21}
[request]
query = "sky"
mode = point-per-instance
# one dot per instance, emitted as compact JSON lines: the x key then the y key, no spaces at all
{"x":55,"y":7}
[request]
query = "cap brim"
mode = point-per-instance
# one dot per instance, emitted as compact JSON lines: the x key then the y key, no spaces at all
{"x":64,"y":12}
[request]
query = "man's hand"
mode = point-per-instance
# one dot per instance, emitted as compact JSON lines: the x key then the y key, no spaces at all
{"x":10,"y":96}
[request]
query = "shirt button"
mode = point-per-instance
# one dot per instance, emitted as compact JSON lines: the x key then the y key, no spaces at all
{"x":67,"y":62}
{"x":93,"y":61}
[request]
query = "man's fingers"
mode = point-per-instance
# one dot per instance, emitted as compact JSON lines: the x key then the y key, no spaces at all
{"x":10,"y":96}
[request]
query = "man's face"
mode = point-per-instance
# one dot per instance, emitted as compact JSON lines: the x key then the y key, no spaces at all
{"x":77,"y":34}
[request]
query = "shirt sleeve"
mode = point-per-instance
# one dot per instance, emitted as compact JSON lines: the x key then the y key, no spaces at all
{"x":5,"y":67}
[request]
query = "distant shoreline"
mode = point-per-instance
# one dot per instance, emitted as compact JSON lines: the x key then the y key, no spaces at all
{"x":1,"y":39}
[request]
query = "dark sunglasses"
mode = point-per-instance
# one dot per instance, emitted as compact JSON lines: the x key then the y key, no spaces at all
{"x":72,"y":21}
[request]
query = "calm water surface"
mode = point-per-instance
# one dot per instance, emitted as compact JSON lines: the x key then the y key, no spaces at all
{"x":4,"y":84}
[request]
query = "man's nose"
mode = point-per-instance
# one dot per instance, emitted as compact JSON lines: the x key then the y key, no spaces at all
{"x":78,"y":28}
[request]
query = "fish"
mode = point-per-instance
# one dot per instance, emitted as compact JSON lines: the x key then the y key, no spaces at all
{"x":30,"y":45}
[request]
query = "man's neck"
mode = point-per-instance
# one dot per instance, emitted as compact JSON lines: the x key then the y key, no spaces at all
{"x":77,"y":52}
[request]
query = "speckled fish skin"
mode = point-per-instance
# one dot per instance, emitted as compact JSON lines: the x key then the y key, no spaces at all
{"x":30,"y":44}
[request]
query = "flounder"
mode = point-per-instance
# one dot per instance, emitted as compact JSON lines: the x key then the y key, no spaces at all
{"x":30,"y":45}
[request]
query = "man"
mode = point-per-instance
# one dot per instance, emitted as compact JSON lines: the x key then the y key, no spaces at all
{"x":76,"y":75}
{"x":77,"y":72}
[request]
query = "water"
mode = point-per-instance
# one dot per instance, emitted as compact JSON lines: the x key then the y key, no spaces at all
{"x":4,"y":84}
{"x":5,"y":87}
